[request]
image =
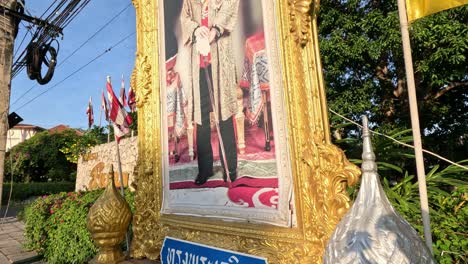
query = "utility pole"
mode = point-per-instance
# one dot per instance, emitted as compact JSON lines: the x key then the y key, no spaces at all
{"x":7,"y":40}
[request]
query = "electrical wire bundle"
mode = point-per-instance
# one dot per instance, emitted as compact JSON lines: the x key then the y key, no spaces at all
{"x":37,"y":55}
{"x":72,"y":53}
{"x":41,"y":51}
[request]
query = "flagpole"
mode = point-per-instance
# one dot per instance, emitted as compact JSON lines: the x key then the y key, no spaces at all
{"x":119,"y":163}
{"x":100,"y":116}
{"x":109,"y":129}
{"x":415,"y":123}
{"x":119,"y":166}
{"x":118,"y":117}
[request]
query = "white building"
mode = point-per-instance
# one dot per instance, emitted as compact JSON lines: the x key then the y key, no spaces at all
{"x":20,"y":133}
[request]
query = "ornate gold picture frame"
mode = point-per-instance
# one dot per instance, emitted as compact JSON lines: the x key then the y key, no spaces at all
{"x":320,"y":171}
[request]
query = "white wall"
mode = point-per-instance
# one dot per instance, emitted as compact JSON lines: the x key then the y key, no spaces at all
{"x":18,"y":135}
{"x":93,"y":168}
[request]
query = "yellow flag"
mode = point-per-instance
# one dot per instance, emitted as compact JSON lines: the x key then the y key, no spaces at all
{"x":420,"y":8}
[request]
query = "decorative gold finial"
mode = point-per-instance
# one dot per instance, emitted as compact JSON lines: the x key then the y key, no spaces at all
{"x":108,"y":221}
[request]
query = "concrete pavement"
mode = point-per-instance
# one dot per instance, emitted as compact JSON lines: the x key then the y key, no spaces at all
{"x":11,"y":240}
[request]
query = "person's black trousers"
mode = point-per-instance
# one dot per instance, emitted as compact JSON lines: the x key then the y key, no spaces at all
{"x":204,"y":148}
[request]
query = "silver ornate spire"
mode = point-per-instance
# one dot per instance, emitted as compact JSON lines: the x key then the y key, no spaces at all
{"x":372,"y":231}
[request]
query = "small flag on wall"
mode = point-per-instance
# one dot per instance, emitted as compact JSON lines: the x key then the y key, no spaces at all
{"x":421,"y":8}
{"x":89,"y":112}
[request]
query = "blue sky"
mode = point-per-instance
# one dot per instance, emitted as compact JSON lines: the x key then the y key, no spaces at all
{"x":67,"y":102}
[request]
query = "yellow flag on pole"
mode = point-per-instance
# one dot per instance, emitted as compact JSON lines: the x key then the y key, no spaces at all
{"x":420,"y":8}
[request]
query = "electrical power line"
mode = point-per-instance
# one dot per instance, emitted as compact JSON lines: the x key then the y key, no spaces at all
{"x":76,"y":71}
{"x":24,"y":7}
{"x":95,"y":33}
{"x":50,"y":28}
{"x":43,"y":14}
{"x":29,"y":29}
{"x":19,"y":63}
{"x":401,"y":143}
{"x":21,"y":43}
{"x":21,"y":96}
{"x":71,"y":54}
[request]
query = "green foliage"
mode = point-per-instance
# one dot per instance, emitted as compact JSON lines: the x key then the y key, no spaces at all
{"x":360,"y":44}
{"x":38,"y":159}
{"x":134,"y":124}
{"x":56,"y":226}
{"x":81,"y":145}
{"x":94,"y":136}
{"x":447,"y":189}
{"x":447,"y":194}
{"x":361,"y":49}
{"x":448,"y":211}
{"x":22,"y":191}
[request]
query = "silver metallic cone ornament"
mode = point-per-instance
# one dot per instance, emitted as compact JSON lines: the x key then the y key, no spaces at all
{"x":372,"y":231}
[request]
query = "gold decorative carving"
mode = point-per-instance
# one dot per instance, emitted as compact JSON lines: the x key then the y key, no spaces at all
{"x":108,"y":221}
{"x":331,"y":173}
{"x":99,"y":177}
{"x":142,"y":76}
{"x":90,"y":156}
{"x":320,"y":170}
{"x":141,"y":79}
{"x":300,"y":18}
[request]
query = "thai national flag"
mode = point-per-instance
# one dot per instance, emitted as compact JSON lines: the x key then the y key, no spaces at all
{"x":89,"y":112}
{"x":131,"y":100}
{"x":104,"y":106}
{"x":117,"y":115}
{"x":123,"y":97}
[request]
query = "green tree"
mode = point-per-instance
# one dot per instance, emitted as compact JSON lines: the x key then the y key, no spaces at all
{"x":81,"y":145}
{"x":38,"y":159}
{"x":134,"y":124}
{"x":360,"y":44}
{"x":361,"y":49}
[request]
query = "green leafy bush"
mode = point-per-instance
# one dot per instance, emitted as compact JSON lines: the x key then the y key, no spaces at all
{"x":38,"y":159}
{"x":447,"y":195}
{"x":22,"y":191}
{"x":81,"y":145}
{"x":56,"y":226}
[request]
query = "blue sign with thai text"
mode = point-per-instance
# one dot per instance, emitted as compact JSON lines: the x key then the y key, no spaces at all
{"x":176,"y":251}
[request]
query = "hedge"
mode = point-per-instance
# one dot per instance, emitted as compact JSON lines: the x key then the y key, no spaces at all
{"x":22,"y":191}
{"x":55,"y":226}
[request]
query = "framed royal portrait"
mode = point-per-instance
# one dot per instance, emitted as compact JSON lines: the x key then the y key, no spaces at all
{"x":234,"y":147}
{"x":223,"y":113}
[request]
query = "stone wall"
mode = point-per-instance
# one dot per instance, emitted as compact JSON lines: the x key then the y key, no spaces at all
{"x":93,"y":167}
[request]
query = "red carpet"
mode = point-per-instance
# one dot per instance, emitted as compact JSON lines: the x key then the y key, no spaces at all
{"x":247,"y":190}
{"x":254,"y":197}
{"x":241,"y":182}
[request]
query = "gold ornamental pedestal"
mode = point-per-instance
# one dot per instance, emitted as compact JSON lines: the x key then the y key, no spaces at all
{"x":108,"y":221}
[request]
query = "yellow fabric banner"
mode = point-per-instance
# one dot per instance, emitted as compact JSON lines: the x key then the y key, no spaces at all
{"x":420,"y":8}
